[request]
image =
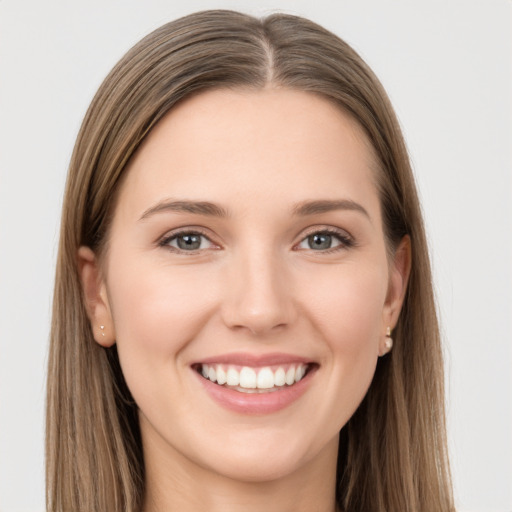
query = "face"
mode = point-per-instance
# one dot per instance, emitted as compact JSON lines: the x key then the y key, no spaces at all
{"x":247,"y":282}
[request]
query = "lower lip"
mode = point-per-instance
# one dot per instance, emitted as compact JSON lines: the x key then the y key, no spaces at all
{"x":256,"y":403}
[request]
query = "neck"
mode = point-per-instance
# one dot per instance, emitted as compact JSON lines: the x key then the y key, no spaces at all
{"x":173,"y":482}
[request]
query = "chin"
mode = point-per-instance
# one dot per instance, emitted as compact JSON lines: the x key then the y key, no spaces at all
{"x":260,"y":457}
{"x":258,"y":467}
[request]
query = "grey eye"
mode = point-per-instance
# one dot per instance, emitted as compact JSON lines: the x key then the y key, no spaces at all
{"x":189,"y":242}
{"x":320,"y":241}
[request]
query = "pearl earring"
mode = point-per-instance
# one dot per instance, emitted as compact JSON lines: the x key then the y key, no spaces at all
{"x":102,"y":327}
{"x":389,"y":339}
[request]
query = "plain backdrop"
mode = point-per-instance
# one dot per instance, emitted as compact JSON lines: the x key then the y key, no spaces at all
{"x":447,"y":66}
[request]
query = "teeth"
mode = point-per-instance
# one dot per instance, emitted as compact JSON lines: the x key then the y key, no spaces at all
{"x":290,"y":376}
{"x":247,"y":378}
{"x":233,"y":377}
{"x":265,"y":379}
{"x":279,"y":377}
{"x":253,"y":378}
{"x":221,"y":376}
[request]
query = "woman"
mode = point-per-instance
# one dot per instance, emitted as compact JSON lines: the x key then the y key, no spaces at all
{"x":243,"y":314}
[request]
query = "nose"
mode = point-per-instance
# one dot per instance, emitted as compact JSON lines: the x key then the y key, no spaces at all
{"x":258,"y":294}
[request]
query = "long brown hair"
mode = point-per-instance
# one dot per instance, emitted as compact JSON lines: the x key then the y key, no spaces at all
{"x":392,"y":452}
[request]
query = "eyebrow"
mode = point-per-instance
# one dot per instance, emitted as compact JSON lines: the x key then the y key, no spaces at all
{"x":195,"y":207}
{"x":322,"y":206}
{"x":302,"y":209}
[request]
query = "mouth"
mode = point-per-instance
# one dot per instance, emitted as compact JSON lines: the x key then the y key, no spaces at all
{"x":255,"y":384}
{"x":255,"y":379}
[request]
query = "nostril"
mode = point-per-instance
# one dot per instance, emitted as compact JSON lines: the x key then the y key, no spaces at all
{"x":258,"y":329}
{"x":258,"y":322}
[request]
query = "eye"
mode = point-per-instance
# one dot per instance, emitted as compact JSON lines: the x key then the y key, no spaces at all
{"x":325,"y":240}
{"x":187,"y":241}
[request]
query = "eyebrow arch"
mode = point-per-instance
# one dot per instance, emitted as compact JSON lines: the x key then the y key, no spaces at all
{"x":325,"y":205}
{"x":195,"y":207}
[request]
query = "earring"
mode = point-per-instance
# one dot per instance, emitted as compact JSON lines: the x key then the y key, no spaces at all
{"x":389,"y":339}
{"x":102,"y":327}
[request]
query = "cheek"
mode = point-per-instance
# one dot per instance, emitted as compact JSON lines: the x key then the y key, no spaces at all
{"x":347,"y":306}
{"x":156,"y":312}
{"x":149,"y":305}
{"x":348,"y":310}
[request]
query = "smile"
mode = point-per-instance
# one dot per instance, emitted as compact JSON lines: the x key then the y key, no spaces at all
{"x":248,"y":384}
{"x":248,"y":379}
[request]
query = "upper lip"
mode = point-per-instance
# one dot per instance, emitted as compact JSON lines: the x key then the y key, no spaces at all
{"x":254,"y":360}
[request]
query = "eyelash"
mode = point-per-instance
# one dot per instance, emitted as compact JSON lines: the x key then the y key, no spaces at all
{"x":345,"y":240}
{"x":166,"y":240}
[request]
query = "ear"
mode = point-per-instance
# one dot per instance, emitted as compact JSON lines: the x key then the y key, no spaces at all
{"x":96,"y":299}
{"x":400,"y":269}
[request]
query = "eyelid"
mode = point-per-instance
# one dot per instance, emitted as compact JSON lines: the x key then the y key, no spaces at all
{"x":345,"y":238}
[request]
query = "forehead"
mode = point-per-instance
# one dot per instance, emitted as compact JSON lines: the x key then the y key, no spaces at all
{"x":271,"y":145}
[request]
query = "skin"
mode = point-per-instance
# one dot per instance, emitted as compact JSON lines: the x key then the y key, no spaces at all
{"x":255,"y":285}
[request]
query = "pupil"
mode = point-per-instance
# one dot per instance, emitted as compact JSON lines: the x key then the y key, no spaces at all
{"x":319,"y":241}
{"x":189,"y":242}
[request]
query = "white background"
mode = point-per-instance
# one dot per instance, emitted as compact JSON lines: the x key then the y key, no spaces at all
{"x":447,"y":66}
